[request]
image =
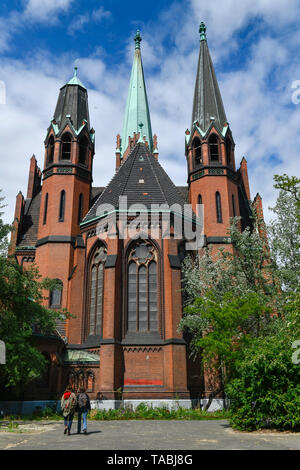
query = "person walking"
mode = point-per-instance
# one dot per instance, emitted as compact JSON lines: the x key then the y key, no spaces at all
{"x":83,"y":407}
{"x":68,"y":405}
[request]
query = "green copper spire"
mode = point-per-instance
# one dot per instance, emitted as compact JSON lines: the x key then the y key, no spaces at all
{"x":75,"y":80}
{"x":202,"y":31}
{"x":137,"y":109}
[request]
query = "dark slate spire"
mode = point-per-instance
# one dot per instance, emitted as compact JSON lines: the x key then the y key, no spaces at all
{"x":207,"y":97}
{"x":72,"y":104}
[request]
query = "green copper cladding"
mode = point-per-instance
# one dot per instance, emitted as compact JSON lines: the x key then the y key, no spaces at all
{"x":75,"y":80}
{"x":137,"y":108}
{"x":202,"y":31}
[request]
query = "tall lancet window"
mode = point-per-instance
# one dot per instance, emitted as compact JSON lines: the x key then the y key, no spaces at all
{"x":83,"y":148}
{"x":50,"y":150}
{"x":142,"y":288}
{"x":197,"y":152}
{"x":96,"y":284}
{"x":213,"y":143}
{"x":66,"y":146}
{"x":228,"y":151}
{"x":62,"y":204}
{"x":218,"y":208}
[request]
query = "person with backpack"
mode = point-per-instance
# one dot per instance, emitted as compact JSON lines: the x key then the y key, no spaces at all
{"x":83,"y":407}
{"x":68,"y":405}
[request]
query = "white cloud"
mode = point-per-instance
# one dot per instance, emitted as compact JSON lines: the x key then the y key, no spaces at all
{"x":80,"y":21}
{"x":46,"y":10}
{"x":100,"y":13}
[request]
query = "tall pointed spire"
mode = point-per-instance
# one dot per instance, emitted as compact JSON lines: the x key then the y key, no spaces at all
{"x":137,"y":108}
{"x":208,"y":104}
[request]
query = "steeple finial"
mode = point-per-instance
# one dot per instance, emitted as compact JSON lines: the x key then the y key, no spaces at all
{"x":137,"y":39}
{"x":141,"y":125}
{"x":202,"y":31}
{"x":75,"y":80}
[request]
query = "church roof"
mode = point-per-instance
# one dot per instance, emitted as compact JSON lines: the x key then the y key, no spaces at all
{"x":208,"y":104}
{"x":143,"y":180}
{"x":137,"y":115}
{"x":30,"y":222}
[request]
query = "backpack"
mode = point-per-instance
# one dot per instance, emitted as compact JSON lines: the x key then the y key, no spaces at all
{"x":82,"y":400}
{"x":68,"y":405}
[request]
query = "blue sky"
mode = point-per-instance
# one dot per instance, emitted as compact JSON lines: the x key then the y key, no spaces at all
{"x":254,"y":46}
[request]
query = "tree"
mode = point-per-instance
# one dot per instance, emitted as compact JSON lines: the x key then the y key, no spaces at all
{"x":284,"y":240}
{"x":290,"y":184}
{"x":230,"y":298}
{"x":266,"y":392}
{"x":22,"y":312}
{"x":5,"y":229}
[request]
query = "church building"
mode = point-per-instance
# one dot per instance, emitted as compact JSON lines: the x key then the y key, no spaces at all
{"x":124,"y":291}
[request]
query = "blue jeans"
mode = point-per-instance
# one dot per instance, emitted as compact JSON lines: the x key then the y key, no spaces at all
{"x":68,"y":421}
{"x":84,"y":419}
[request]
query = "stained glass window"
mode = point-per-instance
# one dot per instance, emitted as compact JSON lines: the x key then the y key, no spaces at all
{"x":96,"y":291}
{"x":142,"y":291}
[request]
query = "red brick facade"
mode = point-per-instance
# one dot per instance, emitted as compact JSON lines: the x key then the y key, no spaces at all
{"x":51,"y":229}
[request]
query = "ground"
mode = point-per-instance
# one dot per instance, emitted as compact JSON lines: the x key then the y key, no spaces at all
{"x":143,"y":435}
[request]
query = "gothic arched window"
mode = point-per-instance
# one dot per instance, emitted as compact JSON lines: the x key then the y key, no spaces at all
{"x":96,"y":284}
{"x":83,"y":147}
{"x":62,"y":204}
{"x":218,"y":208}
{"x":199,"y":202}
{"x":197,"y":152}
{"x":80,"y":208}
{"x":142,"y":288}
{"x":233,"y":206}
{"x":50,"y":149}
{"x":213,"y":143}
{"x":66,"y":146}
{"x":45,"y":209}
{"x":56,"y":295}
{"x":228,"y":151}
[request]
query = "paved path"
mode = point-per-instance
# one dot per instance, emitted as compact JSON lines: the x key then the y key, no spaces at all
{"x":146,"y":435}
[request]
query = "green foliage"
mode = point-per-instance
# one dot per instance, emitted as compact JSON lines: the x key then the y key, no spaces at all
{"x":284,"y":240}
{"x":145,"y":411}
{"x":221,"y":329}
{"x":5,"y":229}
{"x":21,"y":314}
{"x":229,"y":296}
{"x":291,"y":185}
{"x":243,"y":314}
{"x":266,"y":390}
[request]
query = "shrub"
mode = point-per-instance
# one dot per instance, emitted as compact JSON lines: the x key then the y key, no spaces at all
{"x":266,"y":392}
